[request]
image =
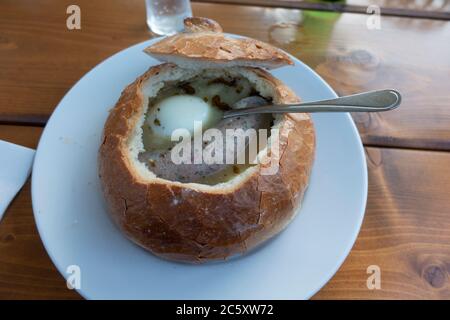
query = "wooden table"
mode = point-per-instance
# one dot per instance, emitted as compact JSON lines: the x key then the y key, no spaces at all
{"x":406,"y":230}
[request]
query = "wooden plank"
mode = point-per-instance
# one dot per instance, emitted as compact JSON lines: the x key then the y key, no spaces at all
{"x":413,"y":9}
{"x":406,"y":232}
{"x":26,"y":271}
{"x":22,"y":135}
{"x":40,"y":59}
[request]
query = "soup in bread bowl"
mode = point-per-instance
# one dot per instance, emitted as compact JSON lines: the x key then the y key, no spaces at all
{"x":196,"y":211}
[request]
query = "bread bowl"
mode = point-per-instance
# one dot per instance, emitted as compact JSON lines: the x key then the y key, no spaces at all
{"x":202,"y":220}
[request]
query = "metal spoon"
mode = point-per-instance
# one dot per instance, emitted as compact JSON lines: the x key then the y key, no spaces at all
{"x":372,"y":101}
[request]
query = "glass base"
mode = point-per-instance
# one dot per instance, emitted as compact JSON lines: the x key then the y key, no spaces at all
{"x":167,"y":24}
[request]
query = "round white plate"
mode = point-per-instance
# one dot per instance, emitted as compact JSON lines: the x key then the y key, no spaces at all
{"x":75,"y":228}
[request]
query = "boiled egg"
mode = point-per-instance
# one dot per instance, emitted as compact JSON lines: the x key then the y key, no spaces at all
{"x":181,"y":111}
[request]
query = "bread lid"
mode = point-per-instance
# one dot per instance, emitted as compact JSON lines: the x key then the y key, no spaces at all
{"x":202,"y":44}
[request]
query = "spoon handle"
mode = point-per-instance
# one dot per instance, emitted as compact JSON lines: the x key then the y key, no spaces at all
{"x":372,"y":101}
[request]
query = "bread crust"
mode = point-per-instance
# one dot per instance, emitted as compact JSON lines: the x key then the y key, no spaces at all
{"x":200,"y":24}
{"x":204,"y":42}
{"x":183,"y":222}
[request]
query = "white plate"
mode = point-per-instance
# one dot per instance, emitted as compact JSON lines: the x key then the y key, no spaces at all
{"x":76,"y":230}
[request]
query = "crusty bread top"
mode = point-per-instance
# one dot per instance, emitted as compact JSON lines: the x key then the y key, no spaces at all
{"x":203,"y":43}
{"x":199,"y":24}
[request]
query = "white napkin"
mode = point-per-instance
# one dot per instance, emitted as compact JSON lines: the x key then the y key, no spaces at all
{"x":15,"y":167}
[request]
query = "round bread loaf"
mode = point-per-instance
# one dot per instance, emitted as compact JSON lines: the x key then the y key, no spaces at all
{"x":197,"y":222}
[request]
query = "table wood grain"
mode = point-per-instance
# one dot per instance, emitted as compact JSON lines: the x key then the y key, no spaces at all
{"x":406,"y":230}
{"x":338,"y":46}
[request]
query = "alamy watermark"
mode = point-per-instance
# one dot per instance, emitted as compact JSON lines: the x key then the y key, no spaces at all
{"x":73,"y":21}
{"x":373,"y":22}
{"x":374,"y":280}
{"x":74,"y":277}
{"x":212,"y":147}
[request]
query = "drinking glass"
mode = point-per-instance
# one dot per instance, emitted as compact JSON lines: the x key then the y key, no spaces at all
{"x":165,"y":17}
